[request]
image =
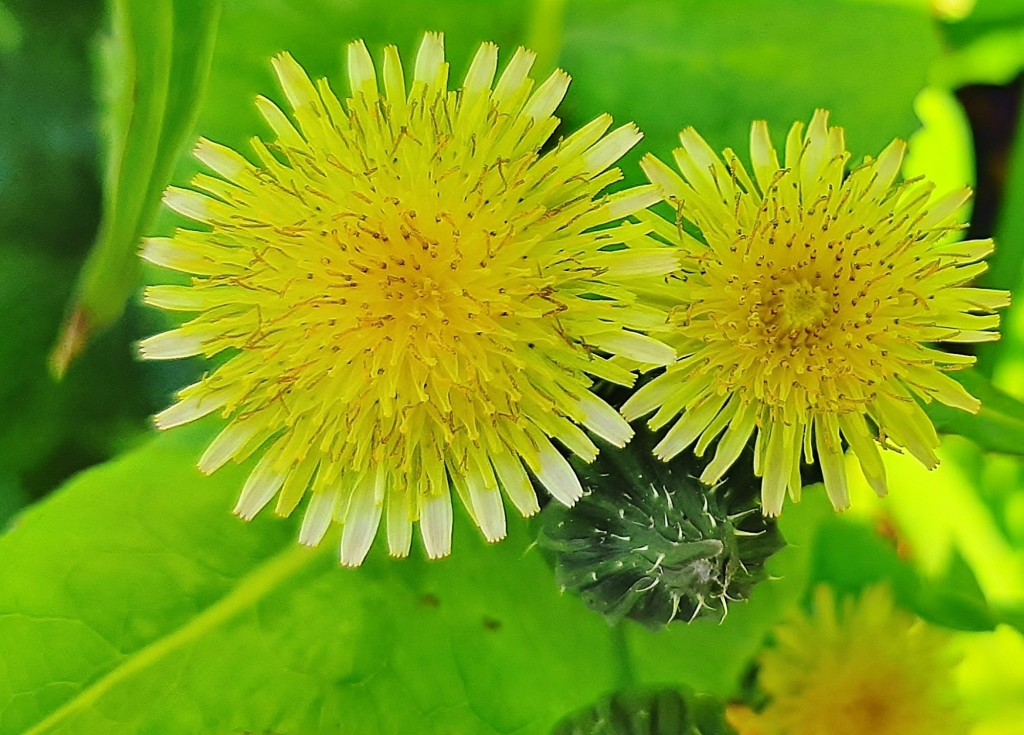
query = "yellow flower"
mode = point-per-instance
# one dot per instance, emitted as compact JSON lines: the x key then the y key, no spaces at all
{"x":412,"y":297}
{"x":863,"y":668}
{"x":808,"y":309}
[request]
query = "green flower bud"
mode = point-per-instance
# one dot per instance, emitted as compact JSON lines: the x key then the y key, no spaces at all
{"x":649,"y":542}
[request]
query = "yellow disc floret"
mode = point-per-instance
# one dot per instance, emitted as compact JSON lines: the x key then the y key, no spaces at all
{"x":413,"y":297}
{"x":807,"y":311}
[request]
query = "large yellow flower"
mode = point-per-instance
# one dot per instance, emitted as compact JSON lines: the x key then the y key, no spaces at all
{"x":412,"y":296}
{"x":808,"y":311}
{"x":864,"y":668}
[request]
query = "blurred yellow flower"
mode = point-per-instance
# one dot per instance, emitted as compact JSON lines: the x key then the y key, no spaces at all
{"x":808,"y":311}
{"x":412,"y":295}
{"x":863,"y":667}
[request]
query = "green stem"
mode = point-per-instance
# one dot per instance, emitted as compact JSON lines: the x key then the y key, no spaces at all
{"x":625,"y":673}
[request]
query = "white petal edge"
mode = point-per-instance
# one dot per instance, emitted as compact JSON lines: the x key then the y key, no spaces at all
{"x":226,"y":445}
{"x":190,"y":409}
{"x":436,"y":525}
{"x":172,"y":345}
{"x":261,"y":485}
{"x":318,"y":517}
{"x":605,"y":421}
{"x":220,"y":159}
{"x":556,"y":474}
{"x":362,"y":519}
{"x":362,"y":78}
{"x":188,"y":203}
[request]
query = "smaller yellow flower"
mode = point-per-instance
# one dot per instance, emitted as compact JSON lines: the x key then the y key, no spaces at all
{"x":862,"y":668}
{"x":809,"y":311}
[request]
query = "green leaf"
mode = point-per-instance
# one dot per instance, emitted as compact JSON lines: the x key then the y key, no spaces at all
{"x":997,"y":427}
{"x":133,"y":602}
{"x":719,"y":66}
{"x":155,"y":67}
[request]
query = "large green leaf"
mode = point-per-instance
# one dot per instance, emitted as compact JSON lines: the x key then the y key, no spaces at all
{"x":718,"y":66}
{"x":133,"y":602}
{"x":154,"y":68}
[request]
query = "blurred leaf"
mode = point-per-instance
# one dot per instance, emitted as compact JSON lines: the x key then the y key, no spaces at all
{"x":996,"y":57}
{"x":938,"y":516}
{"x":49,"y":215}
{"x":25,"y":390}
{"x":991,"y":680}
{"x":999,"y":11}
{"x":985,"y":17}
{"x":10,"y":30}
{"x":997,"y":427}
{"x":942,"y":150}
{"x":155,"y":66}
{"x":132,"y":601}
{"x":985,"y":46}
{"x":850,"y":557}
{"x":545,"y":33}
{"x":49,"y":430}
{"x":48,"y":188}
{"x":718,"y":66}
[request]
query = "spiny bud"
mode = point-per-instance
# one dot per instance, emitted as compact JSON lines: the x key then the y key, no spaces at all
{"x":649,"y":542}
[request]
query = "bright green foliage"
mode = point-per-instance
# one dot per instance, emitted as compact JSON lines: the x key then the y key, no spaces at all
{"x":718,"y":66}
{"x":163,"y":613}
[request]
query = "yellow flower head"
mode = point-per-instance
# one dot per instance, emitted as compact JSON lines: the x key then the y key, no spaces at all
{"x":863,"y":668}
{"x":412,"y":297}
{"x":808,"y":310}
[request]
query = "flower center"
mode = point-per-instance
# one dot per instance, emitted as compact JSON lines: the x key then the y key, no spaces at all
{"x":803,"y":306}
{"x":424,"y":281}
